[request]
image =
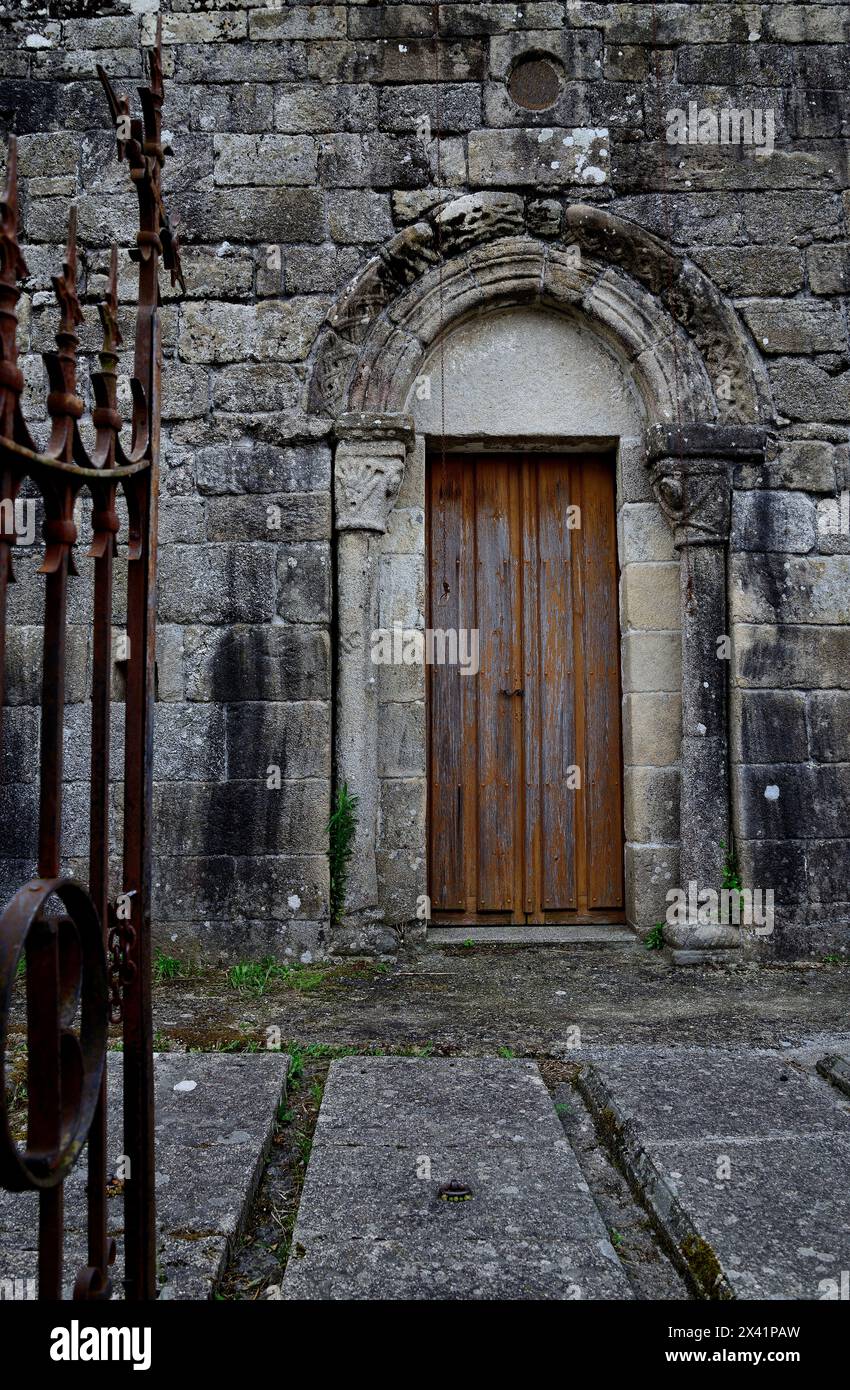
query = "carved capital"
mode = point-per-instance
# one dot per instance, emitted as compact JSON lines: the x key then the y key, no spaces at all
{"x":694,"y":495}
{"x":368,"y":469}
{"x":691,"y":476}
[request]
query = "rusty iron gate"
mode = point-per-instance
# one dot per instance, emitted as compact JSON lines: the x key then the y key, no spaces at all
{"x":85,"y":952}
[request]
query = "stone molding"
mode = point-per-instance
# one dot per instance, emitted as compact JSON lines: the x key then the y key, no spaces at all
{"x":690,"y":352}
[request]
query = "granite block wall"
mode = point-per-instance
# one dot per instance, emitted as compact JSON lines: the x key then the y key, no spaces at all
{"x":304,"y":136}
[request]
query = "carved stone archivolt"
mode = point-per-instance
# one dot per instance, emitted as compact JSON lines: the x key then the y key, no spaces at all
{"x":480,"y":251}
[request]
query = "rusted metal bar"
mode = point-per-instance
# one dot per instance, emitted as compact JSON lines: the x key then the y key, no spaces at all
{"x":71,"y":993}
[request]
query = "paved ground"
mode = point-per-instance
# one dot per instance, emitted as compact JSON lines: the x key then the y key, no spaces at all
{"x":688,"y":1072}
{"x":390,"y":1132}
{"x":743,"y":1158}
{"x":215,"y":1116}
{"x":529,"y":998}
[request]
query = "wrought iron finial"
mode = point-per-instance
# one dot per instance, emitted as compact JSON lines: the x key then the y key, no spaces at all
{"x":155,"y":61}
{"x":65,"y":285}
{"x":108,"y":309}
{"x":12,"y":263}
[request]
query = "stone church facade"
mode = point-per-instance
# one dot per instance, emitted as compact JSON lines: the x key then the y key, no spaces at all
{"x":431,"y":250}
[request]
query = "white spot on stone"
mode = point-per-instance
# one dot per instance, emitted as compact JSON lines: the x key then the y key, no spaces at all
{"x":702,"y":730}
{"x":185,"y":1085}
{"x":38,"y":41}
{"x":293,"y":902}
{"x":545,"y":134}
{"x":592,"y":174}
{"x":771,"y":793}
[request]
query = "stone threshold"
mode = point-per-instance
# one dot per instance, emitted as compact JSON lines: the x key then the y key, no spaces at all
{"x":599,"y":934}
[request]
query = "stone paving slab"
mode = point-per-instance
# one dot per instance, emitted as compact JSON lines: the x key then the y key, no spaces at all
{"x":451,"y":1100}
{"x":513,"y":1188}
{"x":215,"y":1116}
{"x":390,"y":1132}
{"x":442,"y":1271}
{"x":695,"y":1093}
{"x":742,"y":1157}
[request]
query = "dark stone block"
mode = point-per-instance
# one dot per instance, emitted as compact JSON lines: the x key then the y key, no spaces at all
{"x":773,"y":727}
{"x":240,"y":818}
{"x":294,"y":738}
{"x":269,"y":662}
{"x":829,"y":726}
{"x":779,"y":865}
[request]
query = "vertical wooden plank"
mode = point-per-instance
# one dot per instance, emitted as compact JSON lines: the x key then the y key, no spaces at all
{"x":603,"y":778}
{"x":498,"y":620}
{"x":446,"y":867}
{"x":559,"y":753}
{"x":532,"y":887}
{"x":468,"y":617}
{"x":516,"y":516}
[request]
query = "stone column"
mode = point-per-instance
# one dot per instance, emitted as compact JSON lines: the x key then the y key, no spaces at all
{"x":691,"y":471}
{"x":368,"y":469}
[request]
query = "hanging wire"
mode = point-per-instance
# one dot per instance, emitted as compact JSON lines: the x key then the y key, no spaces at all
{"x":668,"y":238}
{"x":438,"y":173}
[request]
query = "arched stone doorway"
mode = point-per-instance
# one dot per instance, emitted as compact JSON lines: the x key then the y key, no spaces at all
{"x":634,"y":352}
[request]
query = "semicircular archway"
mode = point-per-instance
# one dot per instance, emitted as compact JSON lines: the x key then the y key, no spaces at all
{"x":681,"y":395}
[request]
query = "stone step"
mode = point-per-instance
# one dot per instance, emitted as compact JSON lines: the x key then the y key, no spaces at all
{"x":215,"y":1116}
{"x":593,"y":935}
{"x":391,"y":1131}
{"x":742,"y":1156}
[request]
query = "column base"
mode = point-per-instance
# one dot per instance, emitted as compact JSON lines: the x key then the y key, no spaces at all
{"x":704,"y":957}
{"x":700,"y":937}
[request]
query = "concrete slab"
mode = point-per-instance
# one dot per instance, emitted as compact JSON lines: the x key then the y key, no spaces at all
{"x":742,"y":1158}
{"x":390,"y":1132}
{"x":215,"y":1118}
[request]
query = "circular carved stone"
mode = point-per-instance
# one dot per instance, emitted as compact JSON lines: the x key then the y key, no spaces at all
{"x":535,"y":82}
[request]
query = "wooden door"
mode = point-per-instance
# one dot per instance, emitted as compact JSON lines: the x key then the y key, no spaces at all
{"x":525,"y":785}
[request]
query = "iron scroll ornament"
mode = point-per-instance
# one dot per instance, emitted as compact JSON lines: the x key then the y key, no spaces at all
{"x":66,"y":972}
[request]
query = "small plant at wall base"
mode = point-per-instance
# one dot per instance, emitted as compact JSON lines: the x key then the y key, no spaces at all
{"x":654,"y":939}
{"x":341,"y":828}
{"x":731,"y":872}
